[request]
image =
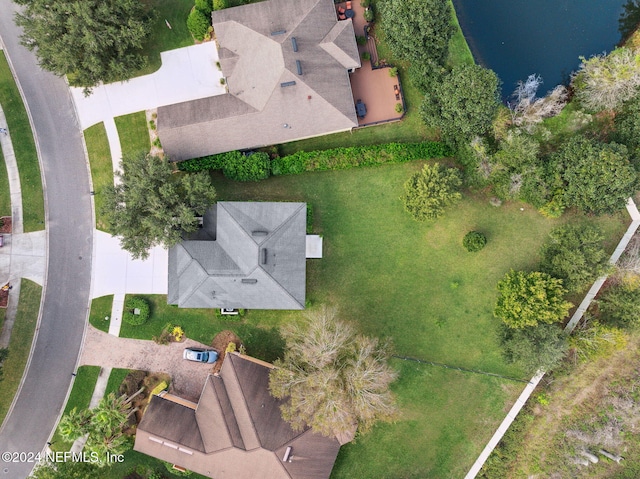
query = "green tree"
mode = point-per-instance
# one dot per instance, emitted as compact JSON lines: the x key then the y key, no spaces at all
{"x":205,"y":6}
{"x":526,"y":299}
{"x":153,"y":206}
{"x":620,"y":305}
{"x":535,"y":348}
{"x":593,"y":340}
{"x":331,"y":378}
{"x":575,"y":254}
{"x":594,"y":177}
{"x":104,"y":425}
{"x":429,"y":191}
{"x":605,"y":81}
{"x":463,"y":104}
{"x":198,"y":24}
{"x":627,"y":126}
{"x":417,"y":30}
{"x":90,"y":41}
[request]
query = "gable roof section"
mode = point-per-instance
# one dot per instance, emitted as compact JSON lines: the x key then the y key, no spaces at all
{"x":257,"y":56}
{"x":257,"y":260}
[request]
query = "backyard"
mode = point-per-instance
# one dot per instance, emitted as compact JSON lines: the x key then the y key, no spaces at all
{"x":411,"y":283}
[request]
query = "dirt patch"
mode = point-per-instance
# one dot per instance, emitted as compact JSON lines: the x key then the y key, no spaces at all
{"x":5,"y":224}
{"x":220,"y":343}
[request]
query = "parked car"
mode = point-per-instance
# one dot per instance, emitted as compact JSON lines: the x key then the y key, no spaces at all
{"x":200,"y":355}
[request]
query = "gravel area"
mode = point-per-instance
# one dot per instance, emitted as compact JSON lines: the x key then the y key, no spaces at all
{"x":106,"y":350}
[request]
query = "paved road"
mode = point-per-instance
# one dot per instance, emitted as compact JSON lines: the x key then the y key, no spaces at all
{"x":66,"y":294}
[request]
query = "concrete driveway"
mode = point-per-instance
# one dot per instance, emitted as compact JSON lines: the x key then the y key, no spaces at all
{"x":187,"y":377}
{"x":116,"y":272}
{"x":188,"y":73}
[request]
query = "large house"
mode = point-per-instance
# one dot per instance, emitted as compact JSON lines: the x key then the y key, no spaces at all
{"x":286,"y":65}
{"x":248,"y":255}
{"x":235,"y":431}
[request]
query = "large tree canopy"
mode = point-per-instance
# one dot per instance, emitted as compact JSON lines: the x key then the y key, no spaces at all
{"x":575,"y":254}
{"x":153,"y":206}
{"x":535,"y":348}
{"x":331,"y":378}
{"x":463,"y":104}
{"x":92,"y":41}
{"x":597,"y":177}
{"x":417,"y":30}
{"x":527,"y":299}
{"x":429,"y":191}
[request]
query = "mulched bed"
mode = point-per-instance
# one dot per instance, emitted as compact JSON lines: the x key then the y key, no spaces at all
{"x":220,"y":343}
{"x":4,"y":298}
{"x":6,"y":227}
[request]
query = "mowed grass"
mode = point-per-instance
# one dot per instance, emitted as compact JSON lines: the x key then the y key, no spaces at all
{"x":258,"y":329}
{"x":100,"y":309}
{"x":97,"y":143}
{"x":115,"y":379}
{"x":133,"y":133}
{"x":24,"y":148}
{"x":20,"y":344}
{"x":414,"y":284}
{"x":5,"y":195}
{"x":79,"y":398}
{"x":163,"y":38}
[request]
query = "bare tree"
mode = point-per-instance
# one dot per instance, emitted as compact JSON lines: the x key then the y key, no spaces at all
{"x":331,"y":378}
{"x":605,"y":81}
{"x":527,"y":110}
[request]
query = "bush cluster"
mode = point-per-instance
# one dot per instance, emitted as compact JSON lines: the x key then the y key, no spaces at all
{"x":321,"y":160}
{"x":252,"y":167}
{"x":474,"y":241}
{"x":130,"y":305}
{"x":198,"y":24}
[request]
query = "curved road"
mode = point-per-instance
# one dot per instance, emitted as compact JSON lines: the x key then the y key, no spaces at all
{"x":70,"y":233}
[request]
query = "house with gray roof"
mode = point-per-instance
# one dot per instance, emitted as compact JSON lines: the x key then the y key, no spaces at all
{"x":248,"y":255}
{"x":286,"y":65}
{"x":235,"y":431}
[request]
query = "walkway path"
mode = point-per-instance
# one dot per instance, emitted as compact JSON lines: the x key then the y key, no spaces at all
{"x":23,"y":254}
{"x":105,"y":350}
{"x":188,"y":73}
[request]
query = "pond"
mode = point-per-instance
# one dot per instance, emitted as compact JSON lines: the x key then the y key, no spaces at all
{"x":516,"y":38}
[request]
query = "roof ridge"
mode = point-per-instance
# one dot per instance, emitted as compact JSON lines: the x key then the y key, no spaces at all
{"x":246,"y":405}
{"x":209,"y":382}
{"x":194,"y":289}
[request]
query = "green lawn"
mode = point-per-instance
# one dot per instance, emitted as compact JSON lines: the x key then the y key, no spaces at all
{"x":95,"y":138}
{"x":162,"y":38}
{"x":133,"y":133}
{"x":115,"y":379}
{"x":100,"y":309}
{"x":20,"y":344}
{"x":415,"y":284}
{"x":79,"y":398}
{"x":5,"y":195}
{"x":25,"y":150}
{"x":459,"y":51}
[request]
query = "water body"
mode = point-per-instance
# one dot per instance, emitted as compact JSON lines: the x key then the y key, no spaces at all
{"x":516,"y":38}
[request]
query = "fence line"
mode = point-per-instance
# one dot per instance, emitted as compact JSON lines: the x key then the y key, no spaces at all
{"x":526,"y":393}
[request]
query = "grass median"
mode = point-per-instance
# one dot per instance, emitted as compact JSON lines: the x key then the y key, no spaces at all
{"x":99,"y":153}
{"x":20,"y":344}
{"x":133,"y":133}
{"x":24,"y":148}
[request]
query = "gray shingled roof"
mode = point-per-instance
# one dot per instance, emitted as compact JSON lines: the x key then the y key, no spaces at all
{"x":251,"y":257}
{"x":236,"y":432}
{"x":255,"y":63}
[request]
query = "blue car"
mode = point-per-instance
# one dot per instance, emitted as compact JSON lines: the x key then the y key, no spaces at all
{"x":200,"y":355}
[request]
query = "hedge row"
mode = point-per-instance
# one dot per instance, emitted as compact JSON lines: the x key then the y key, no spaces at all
{"x":237,"y":166}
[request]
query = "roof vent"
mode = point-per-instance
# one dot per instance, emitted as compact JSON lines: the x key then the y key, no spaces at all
{"x":287,"y":83}
{"x":278,"y":32}
{"x":299,"y":67}
{"x":249,"y":281}
{"x":287,"y":454}
{"x":294,"y":44}
{"x":259,"y":233}
{"x":264,"y":256}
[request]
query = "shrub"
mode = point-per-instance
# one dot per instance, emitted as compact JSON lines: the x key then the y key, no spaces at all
{"x":399,"y":108}
{"x":365,"y":3}
{"x":204,"y":6}
{"x":361,"y":40}
{"x":393,"y":72}
{"x":132,"y":304}
{"x":366,"y":56}
{"x":368,"y":15}
{"x":309,"y":218}
{"x":429,"y":191}
{"x":198,"y":24}
{"x":152,"y":124}
{"x":474,"y":241}
{"x":620,"y":306}
{"x":219,"y":4}
{"x":252,"y":167}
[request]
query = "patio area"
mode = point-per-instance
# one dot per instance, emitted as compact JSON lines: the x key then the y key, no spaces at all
{"x":375,"y":92}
